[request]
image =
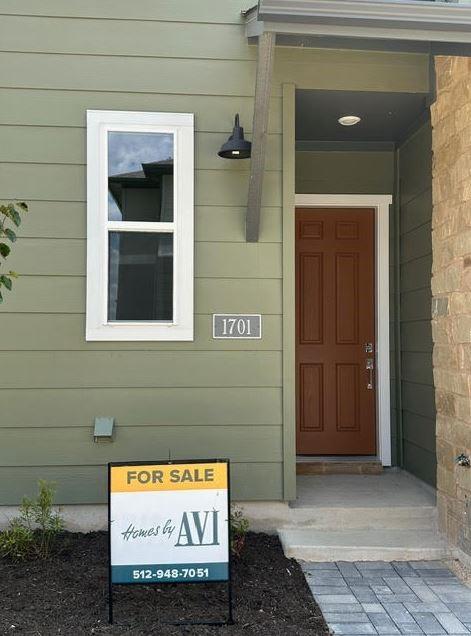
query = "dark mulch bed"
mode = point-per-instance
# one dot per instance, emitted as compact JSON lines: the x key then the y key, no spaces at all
{"x":68,"y":595}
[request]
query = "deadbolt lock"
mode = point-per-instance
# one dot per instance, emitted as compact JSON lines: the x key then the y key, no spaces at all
{"x":368,"y":347}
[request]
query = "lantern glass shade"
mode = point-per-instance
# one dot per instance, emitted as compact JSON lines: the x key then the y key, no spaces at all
{"x":236,"y":147}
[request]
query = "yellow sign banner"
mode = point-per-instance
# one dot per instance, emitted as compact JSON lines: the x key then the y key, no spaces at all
{"x":136,"y":478}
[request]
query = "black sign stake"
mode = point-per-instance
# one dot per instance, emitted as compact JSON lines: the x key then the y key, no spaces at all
{"x":110,"y":579}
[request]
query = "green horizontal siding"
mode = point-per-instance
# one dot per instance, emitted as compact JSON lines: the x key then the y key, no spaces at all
{"x":133,"y":38}
{"x":416,"y":243}
{"x":188,"y":76}
{"x":59,"y":59}
{"x":243,"y":406}
{"x":416,"y":211}
{"x":418,"y":393}
{"x":129,"y":74}
{"x":344,"y":172}
{"x":415,"y":272}
{"x":21,"y":446}
{"x":61,"y":145}
{"x":64,"y":220}
{"x":212,"y":11}
{"x":416,"y":305}
{"x":66,"y":294}
{"x":421,"y":462}
{"x":417,"y":367}
{"x":67,"y":257}
{"x":52,"y":182}
{"x":415,"y":336}
{"x":52,"y":332}
{"x":420,"y":399}
{"x":87,"y":484}
{"x":352,"y":70}
{"x":62,"y":108}
{"x":62,"y":369}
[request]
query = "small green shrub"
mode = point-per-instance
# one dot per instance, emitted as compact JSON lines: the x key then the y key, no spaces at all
{"x":32,"y":534}
{"x":239,"y":528}
{"x":16,"y":542}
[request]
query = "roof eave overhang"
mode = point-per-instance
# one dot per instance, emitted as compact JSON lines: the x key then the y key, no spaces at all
{"x":412,"y":21}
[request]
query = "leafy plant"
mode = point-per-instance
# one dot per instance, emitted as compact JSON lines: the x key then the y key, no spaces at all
{"x":10,"y":215}
{"x":33,"y":533}
{"x":17,"y":541}
{"x":239,"y":527}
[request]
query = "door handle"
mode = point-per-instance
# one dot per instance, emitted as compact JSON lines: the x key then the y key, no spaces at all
{"x":370,"y":365}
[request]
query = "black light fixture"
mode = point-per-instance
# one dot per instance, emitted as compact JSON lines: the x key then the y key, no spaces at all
{"x":236,"y":147}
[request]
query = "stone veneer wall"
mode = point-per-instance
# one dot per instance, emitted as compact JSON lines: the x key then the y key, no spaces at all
{"x":451,"y":289}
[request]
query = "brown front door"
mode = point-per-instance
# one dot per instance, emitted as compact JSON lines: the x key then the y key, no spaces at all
{"x":335,"y":328}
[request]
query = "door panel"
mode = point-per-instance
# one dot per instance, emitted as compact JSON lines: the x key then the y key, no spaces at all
{"x":334,"y":321}
{"x":311,"y":382}
{"x":310,"y":303}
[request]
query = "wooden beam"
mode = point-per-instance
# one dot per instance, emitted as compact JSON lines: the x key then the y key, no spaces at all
{"x":266,"y":52}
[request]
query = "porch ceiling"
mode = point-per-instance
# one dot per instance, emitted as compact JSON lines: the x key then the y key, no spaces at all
{"x":385,"y":117}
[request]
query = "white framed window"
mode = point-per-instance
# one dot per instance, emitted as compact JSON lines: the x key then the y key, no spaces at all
{"x":139,"y":225}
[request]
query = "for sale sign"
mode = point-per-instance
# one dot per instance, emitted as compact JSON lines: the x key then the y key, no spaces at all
{"x":169,"y":522}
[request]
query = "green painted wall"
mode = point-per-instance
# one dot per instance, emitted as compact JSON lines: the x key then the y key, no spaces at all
{"x":418,"y":395}
{"x":334,"y":172}
{"x":204,"y":398}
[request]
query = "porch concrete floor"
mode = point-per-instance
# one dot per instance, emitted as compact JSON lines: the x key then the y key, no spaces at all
{"x":389,"y":489}
{"x":391,"y":516}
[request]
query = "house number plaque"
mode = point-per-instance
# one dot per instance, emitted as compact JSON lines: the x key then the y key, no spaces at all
{"x":247,"y":326}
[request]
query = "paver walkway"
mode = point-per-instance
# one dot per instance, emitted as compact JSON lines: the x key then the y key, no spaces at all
{"x":371,"y":597}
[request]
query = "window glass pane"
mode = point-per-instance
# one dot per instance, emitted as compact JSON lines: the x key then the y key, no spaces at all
{"x":140,"y":276}
{"x":140,"y":176}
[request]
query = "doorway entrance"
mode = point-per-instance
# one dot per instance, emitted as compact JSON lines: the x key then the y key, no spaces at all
{"x":380,"y":204}
{"x":335,"y":331}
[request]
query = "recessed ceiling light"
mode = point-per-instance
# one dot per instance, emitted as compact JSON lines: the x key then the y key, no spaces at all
{"x":349,"y":120}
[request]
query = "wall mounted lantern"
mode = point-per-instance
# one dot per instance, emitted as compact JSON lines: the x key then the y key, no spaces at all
{"x":236,"y":147}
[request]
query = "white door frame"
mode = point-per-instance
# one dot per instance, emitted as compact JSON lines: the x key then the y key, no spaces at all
{"x":380,"y":203}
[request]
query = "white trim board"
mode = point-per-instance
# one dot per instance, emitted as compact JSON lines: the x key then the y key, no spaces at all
{"x":380,"y":203}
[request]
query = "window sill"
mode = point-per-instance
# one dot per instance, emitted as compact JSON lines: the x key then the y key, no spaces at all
{"x":133,"y":333}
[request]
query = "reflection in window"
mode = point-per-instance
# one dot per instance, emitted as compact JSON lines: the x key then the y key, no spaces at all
{"x":140,"y":177}
{"x":140,"y":276}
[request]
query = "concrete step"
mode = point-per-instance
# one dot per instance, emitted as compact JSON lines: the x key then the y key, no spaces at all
{"x":311,"y":544}
{"x":272,"y":517}
{"x":352,"y":518}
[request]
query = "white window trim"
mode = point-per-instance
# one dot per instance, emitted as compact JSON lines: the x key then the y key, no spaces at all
{"x":380,"y":203}
{"x":181,"y":125}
